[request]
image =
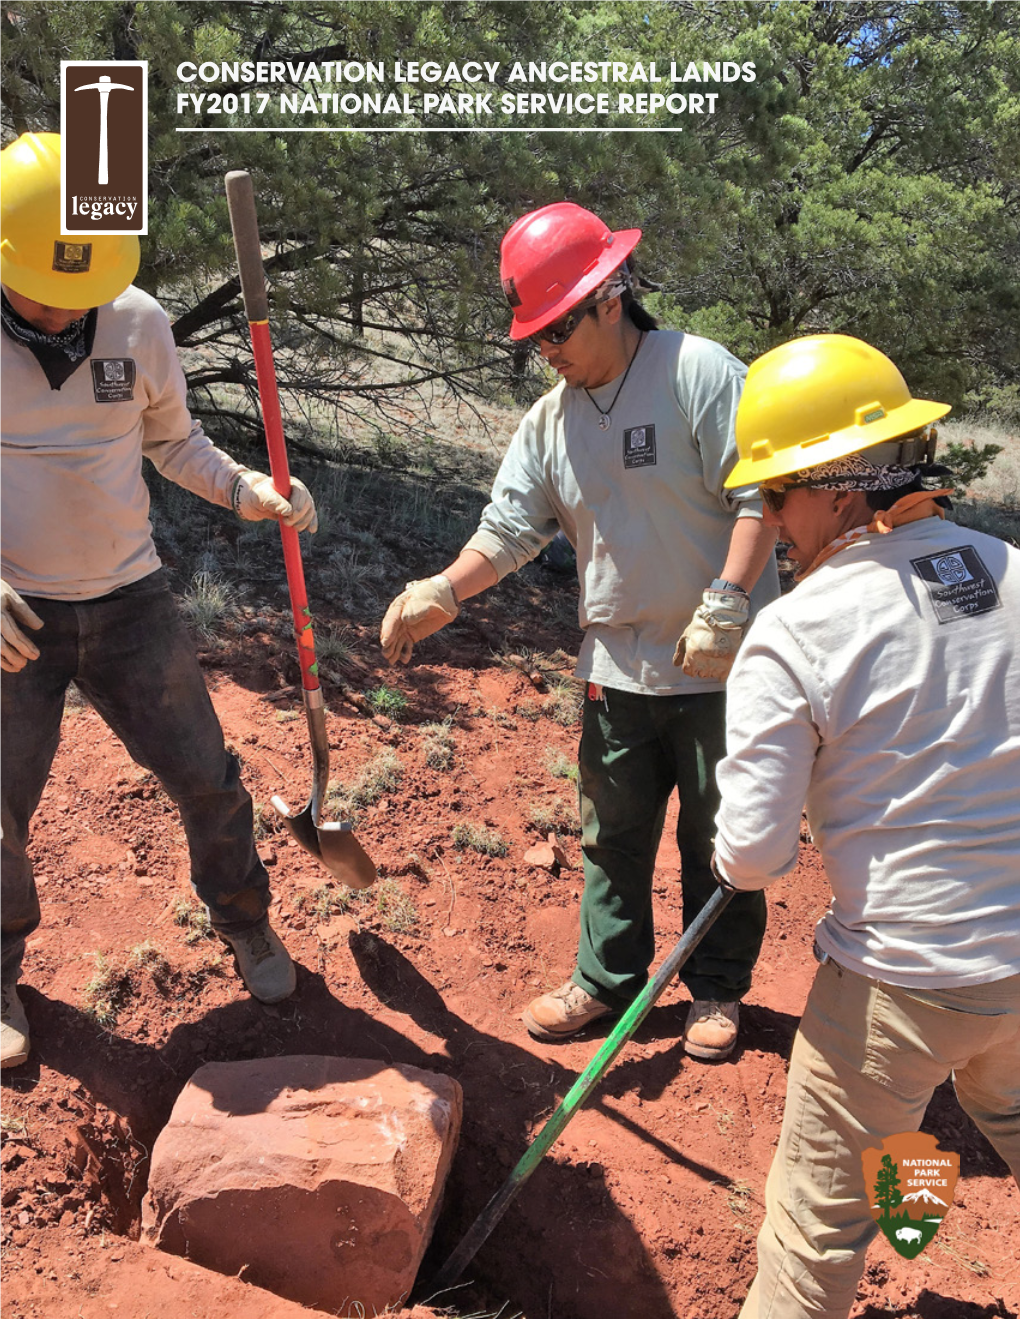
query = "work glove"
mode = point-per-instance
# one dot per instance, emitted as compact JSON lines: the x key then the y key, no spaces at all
{"x":420,"y":610}
{"x":15,"y":648}
{"x":254,"y":497}
{"x":710,"y":641}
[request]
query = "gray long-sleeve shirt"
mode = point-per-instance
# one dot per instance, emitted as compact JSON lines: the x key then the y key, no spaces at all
{"x":642,"y":503}
{"x":75,"y":508}
{"x":884,"y":692}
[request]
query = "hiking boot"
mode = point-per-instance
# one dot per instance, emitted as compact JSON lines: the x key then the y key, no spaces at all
{"x":264,"y":964}
{"x":14,"y":1041}
{"x":563,"y":1012}
{"x":711,"y":1030}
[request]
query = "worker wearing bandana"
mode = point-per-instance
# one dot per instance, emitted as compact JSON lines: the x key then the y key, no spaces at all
{"x":92,"y":385}
{"x":884,"y":694}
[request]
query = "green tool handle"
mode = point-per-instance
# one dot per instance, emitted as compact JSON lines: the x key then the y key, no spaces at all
{"x":632,"y":1018}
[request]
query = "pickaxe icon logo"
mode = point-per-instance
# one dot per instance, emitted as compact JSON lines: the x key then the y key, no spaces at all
{"x":104,"y":87}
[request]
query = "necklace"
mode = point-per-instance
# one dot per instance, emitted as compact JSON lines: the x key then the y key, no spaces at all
{"x":604,"y":422}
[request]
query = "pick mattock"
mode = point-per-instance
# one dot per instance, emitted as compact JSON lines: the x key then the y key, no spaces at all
{"x":632,"y":1018}
{"x":334,"y":844}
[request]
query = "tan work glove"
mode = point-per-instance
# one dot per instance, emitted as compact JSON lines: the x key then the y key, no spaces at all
{"x":254,"y":497}
{"x":420,"y":610}
{"x":710,"y":641}
{"x":15,"y":648}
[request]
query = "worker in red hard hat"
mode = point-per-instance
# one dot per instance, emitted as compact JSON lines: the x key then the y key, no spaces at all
{"x":628,"y":456}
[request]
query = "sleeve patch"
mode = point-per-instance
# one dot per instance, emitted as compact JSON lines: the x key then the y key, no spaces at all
{"x":959,"y":585}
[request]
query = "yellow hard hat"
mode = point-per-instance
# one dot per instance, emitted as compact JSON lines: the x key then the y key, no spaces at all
{"x":36,"y":259}
{"x":817,"y":399}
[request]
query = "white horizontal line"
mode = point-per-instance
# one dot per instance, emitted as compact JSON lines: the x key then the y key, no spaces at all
{"x":338,"y":128}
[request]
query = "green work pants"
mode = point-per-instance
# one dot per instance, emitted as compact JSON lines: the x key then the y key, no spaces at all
{"x":635,"y":749}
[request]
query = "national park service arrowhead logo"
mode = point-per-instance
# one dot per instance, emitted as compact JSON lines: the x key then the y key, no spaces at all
{"x":910,"y":1185}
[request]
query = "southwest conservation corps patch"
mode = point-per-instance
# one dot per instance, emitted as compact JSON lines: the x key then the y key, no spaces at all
{"x":959,"y":585}
{"x":639,"y":447}
{"x":113,"y":379}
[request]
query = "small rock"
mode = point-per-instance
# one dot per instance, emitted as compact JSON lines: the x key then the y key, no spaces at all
{"x":549,"y":855}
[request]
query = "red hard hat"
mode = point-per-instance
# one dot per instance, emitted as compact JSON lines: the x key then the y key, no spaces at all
{"x":553,"y":258}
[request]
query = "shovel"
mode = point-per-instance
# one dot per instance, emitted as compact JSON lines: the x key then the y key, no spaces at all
{"x":333,"y":844}
{"x":474,"y":1238}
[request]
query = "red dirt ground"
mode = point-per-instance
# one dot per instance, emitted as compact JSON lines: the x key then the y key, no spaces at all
{"x":649,"y":1204}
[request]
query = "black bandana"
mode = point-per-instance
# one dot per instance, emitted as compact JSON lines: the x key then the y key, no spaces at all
{"x":59,"y":355}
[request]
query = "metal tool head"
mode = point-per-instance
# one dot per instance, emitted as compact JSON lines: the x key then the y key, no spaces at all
{"x":334,"y":845}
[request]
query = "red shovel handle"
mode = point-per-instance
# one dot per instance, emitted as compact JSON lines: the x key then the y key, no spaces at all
{"x":244,"y":223}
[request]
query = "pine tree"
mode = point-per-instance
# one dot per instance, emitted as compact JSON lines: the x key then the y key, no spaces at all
{"x":887,"y":1186}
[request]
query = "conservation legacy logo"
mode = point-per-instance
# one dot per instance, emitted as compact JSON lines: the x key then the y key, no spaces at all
{"x":910,"y":1185}
{"x":104,"y":161}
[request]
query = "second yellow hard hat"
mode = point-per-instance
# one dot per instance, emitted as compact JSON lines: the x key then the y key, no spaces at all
{"x":817,"y":399}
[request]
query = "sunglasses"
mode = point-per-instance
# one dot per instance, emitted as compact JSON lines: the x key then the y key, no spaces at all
{"x":560,"y":331}
{"x":774,"y":497}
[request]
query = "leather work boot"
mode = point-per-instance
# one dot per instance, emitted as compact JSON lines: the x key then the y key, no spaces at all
{"x":14,"y":1041}
{"x":711,"y":1029}
{"x":265,"y":965}
{"x":563,"y":1012}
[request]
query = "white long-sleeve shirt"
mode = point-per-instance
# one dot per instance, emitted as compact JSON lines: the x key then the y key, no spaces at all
{"x":884,"y":692}
{"x":75,"y":509}
{"x":642,"y":503}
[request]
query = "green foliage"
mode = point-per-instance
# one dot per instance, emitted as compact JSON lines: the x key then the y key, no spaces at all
{"x":437,"y":744}
{"x":561,"y":766}
{"x":555,"y":816}
{"x":481,"y":839}
{"x":195,"y":921}
{"x":380,"y":776}
{"x":395,"y":909}
{"x":968,"y":463}
{"x":327,"y":900}
{"x":105,"y":993}
{"x":864,"y":182}
{"x":207,"y":605}
{"x":388,"y":701}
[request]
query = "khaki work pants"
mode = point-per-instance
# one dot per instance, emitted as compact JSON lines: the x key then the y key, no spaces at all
{"x":865,"y":1062}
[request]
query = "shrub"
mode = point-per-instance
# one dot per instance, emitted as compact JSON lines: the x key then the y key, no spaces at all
{"x":379,"y":777}
{"x":481,"y":839}
{"x":387,"y":701}
{"x":968,"y":463}
{"x":207,"y":605}
{"x":396,"y":911}
{"x":554,"y":816}
{"x":438,"y":745}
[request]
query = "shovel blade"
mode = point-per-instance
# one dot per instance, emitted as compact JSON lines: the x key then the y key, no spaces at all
{"x":334,"y":845}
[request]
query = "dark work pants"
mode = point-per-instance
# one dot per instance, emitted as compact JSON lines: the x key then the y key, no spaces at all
{"x":131,"y":655}
{"x":635,"y":750}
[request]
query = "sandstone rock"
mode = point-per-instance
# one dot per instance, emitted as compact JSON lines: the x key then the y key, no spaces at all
{"x":319,"y":1177}
{"x":549,"y":855}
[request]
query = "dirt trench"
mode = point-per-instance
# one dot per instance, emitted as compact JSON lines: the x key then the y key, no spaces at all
{"x":648,"y":1205}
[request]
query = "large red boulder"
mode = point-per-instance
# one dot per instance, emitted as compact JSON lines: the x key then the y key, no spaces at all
{"x":316,"y":1177}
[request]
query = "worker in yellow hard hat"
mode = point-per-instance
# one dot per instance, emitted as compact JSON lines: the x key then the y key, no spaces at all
{"x":91,"y":385}
{"x":883,"y":693}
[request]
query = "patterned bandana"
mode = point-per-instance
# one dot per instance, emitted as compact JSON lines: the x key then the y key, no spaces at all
{"x":59,"y":355}
{"x":611,"y":287}
{"x":854,"y":473}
